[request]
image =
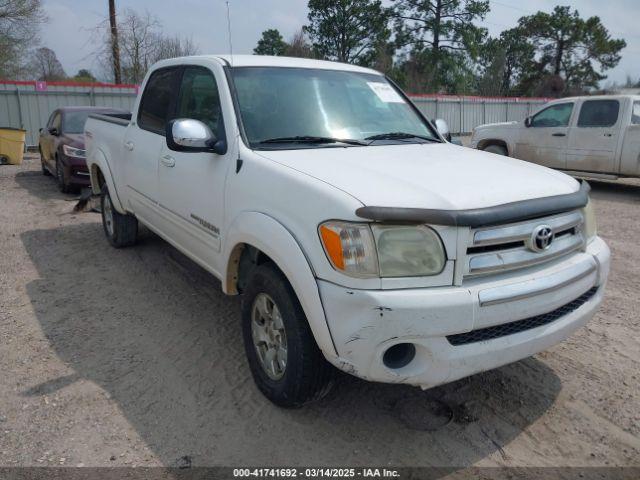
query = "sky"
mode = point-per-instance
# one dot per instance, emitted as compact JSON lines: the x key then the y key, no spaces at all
{"x":68,"y":32}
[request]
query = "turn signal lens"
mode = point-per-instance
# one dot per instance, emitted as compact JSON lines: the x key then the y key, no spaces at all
{"x":350,"y":248}
{"x":590,"y":228}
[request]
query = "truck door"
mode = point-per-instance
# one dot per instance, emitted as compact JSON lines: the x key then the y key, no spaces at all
{"x":143,"y":144}
{"x":191,"y":184}
{"x":630,"y":158}
{"x":544,"y":141}
{"x":593,"y":141}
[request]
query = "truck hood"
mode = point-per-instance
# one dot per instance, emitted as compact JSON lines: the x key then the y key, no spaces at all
{"x":501,"y":125}
{"x":437,"y":176}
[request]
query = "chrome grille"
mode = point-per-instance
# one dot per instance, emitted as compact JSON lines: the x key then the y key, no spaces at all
{"x":508,"y":247}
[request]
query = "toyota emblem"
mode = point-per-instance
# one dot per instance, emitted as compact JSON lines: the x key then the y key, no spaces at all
{"x":541,"y":238}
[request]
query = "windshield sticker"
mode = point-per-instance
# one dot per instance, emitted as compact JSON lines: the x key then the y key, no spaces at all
{"x":385,"y":92}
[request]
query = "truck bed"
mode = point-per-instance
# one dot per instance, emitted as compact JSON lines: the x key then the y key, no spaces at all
{"x":118,"y":118}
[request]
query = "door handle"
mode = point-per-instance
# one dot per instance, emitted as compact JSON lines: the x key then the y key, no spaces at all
{"x":168,"y":161}
{"x":129,"y":146}
{"x":608,"y":134}
{"x":558,"y":134}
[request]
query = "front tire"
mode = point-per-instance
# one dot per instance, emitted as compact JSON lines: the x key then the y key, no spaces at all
{"x":45,"y":170}
{"x":121,"y":230}
{"x":497,"y":149}
{"x":63,"y":184}
{"x":285,"y":361}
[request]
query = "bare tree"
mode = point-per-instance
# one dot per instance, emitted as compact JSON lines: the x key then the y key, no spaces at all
{"x":172,"y":47}
{"x":19,"y":24}
{"x":138,"y":42}
{"x":46,"y":66}
{"x":141,"y":44}
{"x":299,"y":46}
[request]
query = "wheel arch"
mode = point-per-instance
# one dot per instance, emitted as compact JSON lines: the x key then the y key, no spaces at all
{"x":487,"y":142}
{"x":254,"y":233}
{"x":100,"y":174}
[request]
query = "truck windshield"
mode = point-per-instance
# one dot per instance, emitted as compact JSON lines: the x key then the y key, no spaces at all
{"x":307,"y":108}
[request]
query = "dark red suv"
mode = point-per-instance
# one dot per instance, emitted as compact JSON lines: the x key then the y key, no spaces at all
{"x":61,"y":146}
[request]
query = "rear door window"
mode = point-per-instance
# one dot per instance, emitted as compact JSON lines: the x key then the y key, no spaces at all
{"x":553,"y":116}
{"x":599,"y":113}
{"x":157,"y":100}
{"x":635,"y":114}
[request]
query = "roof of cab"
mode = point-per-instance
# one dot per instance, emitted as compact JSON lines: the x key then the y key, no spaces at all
{"x":597,"y":97}
{"x":272,"y":61}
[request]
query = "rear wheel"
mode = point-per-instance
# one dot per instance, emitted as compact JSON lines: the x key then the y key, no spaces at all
{"x":285,"y":361}
{"x":497,"y":149}
{"x":121,"y":230}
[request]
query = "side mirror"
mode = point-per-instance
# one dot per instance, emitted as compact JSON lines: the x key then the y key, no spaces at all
{"x":527,"y":122}
{"x":443,"y":128}
{"x":188,"y":135}
{"x":54,"y":131}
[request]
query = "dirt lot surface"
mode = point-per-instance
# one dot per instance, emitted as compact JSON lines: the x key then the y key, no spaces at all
{"x":134,"y":357}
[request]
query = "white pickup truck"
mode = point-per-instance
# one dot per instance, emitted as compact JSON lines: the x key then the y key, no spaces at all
{"x":357,"y":236}
{"x":595,"y":137}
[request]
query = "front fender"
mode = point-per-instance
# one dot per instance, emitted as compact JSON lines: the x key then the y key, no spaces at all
{"x":273,"y":239}
{"x":98,"y":162}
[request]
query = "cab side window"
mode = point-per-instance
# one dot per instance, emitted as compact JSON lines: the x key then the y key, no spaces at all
{"x":635,"y":114}
{"x":155,"y":106}
{"x":199,"y":99}
{"x":599,"y":113}
{"x":553,"y":116}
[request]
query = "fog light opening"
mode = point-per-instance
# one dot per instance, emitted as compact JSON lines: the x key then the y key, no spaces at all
{"x":399,"y":355}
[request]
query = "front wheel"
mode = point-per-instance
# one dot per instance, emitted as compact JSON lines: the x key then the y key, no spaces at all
{"x":45,"y":170}
{"x":63,"y":184}
{"x":121,"y":230}
{"x":285,"y":361}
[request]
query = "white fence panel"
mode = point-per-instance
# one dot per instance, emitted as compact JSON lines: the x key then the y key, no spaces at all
{"x":28,"y":105}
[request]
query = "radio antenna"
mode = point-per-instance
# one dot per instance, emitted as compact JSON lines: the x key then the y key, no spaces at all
{"x":229,"y":31}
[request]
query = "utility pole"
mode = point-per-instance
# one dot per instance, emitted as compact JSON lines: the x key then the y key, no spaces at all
{"x":115,"y":49}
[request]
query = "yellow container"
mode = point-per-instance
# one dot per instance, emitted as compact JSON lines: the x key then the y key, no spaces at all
{"x":11,"y":145}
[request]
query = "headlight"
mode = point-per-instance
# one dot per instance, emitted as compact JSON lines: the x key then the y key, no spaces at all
{"x":408,"y":251}
{"x":590,"y":227}
{"x":398,"y":251}
{"x":74,"y":152}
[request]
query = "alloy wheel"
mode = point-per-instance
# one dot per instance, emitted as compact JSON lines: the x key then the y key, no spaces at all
{"x":269,"y":336}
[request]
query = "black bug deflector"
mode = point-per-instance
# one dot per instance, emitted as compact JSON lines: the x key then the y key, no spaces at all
{"x":480,"y":217}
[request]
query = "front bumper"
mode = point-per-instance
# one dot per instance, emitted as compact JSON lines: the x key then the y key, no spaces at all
{"x":76,"y":171}
{"x":365,"y":323}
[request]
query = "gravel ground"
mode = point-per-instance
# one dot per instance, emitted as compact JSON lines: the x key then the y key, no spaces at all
{"x":134,"y":357}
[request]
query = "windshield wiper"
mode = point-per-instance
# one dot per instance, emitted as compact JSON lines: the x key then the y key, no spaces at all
{"x":312,"y":140}
{"x":400,"y":136}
